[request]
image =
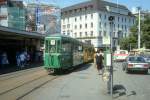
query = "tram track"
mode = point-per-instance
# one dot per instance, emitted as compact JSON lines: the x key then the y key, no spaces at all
{"x":37,"y":87}
{"x":16,"y":86}
{"x":19,"y":91}
{"x":27,"y":88}
{"x":21,"y":85}
{"x":19,"y":73}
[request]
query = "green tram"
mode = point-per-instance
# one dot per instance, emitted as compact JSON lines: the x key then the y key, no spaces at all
{"x":63,"y":52}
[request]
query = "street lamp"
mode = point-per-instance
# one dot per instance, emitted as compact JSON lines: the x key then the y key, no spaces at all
{"x":139,"y":27}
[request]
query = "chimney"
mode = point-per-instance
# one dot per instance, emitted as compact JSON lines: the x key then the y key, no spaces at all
{"x":97,"y":4}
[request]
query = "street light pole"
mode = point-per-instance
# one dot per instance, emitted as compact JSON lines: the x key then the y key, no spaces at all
{"x":111,"y":19}
{"x":139,"y":28}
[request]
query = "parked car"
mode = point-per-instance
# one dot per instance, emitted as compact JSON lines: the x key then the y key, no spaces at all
{"x":134,"y":63}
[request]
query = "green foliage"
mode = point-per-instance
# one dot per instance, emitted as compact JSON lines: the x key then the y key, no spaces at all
{"x":131,"y":41}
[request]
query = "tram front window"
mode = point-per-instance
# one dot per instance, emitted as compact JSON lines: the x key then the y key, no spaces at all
{"x":54,"y":45}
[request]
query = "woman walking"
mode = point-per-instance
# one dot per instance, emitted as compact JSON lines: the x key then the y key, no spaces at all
{"x":99,"y":61}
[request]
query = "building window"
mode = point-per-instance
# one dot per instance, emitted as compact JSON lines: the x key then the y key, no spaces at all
{"x":122,"y":27}
{"x":75,"y":34}
{"x":86,"y":34}
{"x":80,"y":26}
{"x":80,"y":17}
{"x":133,"y":21}
{"x":68,"y":25}
{"x":80,"y":9}
{"x":64,"y":26}
{"x":91,"y":25}
{"x":64,"y":32}
{"x":122,"y":19}
{"x":105,"y":16}
{"x":114,"y":34}
{"x":85,"y":25}
{"x":118,"y":19}
{"x":114,"y":26}
{"x":75,"y":10}
{"x":100,"y":33}
{"x":75,"y":27}
{"x":105,"y":25}
{"x":100,"y":25}
{"x":68,"y":33}
{"x":91,"y":16}
{"x":105,"y":34}
{"x":91,"y":33}
{"x":80,"y":34}
{"x":85,"y":16}
{"x":125,"y":28}
{"x":75,"y":19}
{"x":118,"y":26}
{"x":100,"y":16}
{"x":129,"y":20}
{"x":125,"y":19}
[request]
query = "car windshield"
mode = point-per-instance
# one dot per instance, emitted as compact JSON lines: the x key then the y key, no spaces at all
{"x":136,"y":59}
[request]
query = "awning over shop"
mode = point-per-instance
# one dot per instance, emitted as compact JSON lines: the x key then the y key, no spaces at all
{"x":6,"y":32}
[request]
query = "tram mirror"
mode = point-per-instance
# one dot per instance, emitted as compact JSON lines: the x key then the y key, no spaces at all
{"x":80,"y":48}
{"x":53,"y":42}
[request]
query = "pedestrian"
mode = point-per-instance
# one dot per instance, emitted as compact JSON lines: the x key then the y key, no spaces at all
{"x":18,"y":59}
{"x":22,"y":60}
{"x":4,"y":59}
{"x":99,"y":61}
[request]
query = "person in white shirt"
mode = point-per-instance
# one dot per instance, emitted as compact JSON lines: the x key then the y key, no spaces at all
{"x":22,"y":59}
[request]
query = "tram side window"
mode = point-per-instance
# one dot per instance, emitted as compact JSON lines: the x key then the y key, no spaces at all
{"x":75,"y":48}
{"x":46,"y":46}
{"x":66,"y":46}
{"x":80,"y":48}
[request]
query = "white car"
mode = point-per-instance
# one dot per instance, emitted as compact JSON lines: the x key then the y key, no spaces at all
{"x":138,"y":63}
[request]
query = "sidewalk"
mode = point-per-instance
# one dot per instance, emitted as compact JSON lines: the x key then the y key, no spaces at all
{"x":86,"y":84}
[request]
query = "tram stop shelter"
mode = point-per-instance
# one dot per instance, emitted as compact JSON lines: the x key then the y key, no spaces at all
{"x":13,"y":41}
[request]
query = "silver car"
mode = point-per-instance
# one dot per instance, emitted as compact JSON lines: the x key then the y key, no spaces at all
{"x":135,"y":63}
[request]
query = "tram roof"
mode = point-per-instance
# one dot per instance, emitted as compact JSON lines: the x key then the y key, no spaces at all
{"x":10,"y":32}
{"x":58,"y":35}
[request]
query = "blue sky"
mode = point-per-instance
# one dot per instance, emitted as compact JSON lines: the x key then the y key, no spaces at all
{"x":129,"y":3}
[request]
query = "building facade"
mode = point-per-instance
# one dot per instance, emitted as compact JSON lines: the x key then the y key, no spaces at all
{"x":12,"y":14}
{"x":89,"y":22}
{"x":42,"y":18}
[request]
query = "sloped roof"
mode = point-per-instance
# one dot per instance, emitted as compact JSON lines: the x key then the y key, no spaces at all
{"x":101,"y":5}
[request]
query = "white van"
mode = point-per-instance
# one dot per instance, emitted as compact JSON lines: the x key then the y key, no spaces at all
{"x":120,"y":55}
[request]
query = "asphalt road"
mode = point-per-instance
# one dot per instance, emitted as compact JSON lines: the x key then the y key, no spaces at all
{"x":81,"y":84}
{"x":134,"y":85}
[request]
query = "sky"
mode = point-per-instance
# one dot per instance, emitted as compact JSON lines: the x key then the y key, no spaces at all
{"x":131,"y":4}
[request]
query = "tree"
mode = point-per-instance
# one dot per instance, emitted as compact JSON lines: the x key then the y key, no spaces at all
{"x":131,"y":41}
